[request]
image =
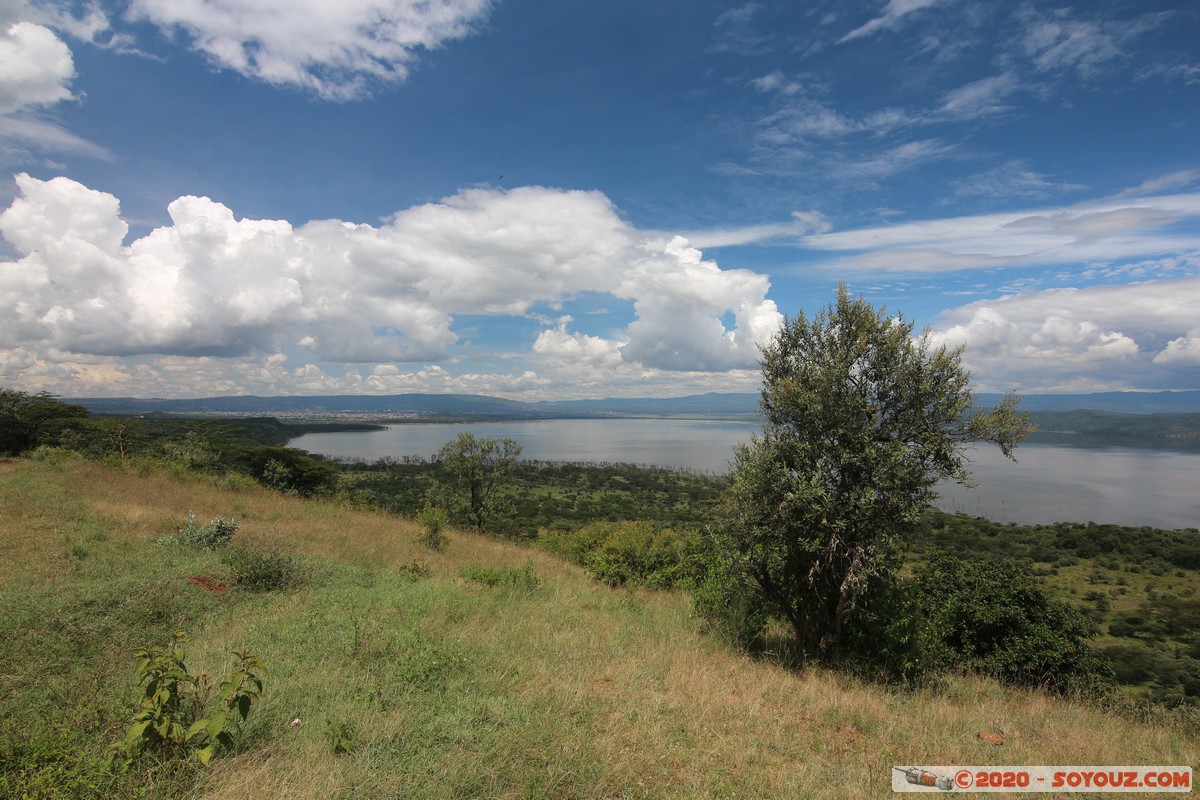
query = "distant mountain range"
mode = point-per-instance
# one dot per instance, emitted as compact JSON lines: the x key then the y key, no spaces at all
{"x":485,"y":407}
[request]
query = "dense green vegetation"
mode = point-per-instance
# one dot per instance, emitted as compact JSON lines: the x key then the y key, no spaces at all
{"x":862,"y":420}
{"x":1136,"y":588}
{"x":545,"y":495}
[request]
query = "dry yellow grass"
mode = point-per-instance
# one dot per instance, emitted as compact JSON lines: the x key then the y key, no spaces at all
{"x":576,"y":691}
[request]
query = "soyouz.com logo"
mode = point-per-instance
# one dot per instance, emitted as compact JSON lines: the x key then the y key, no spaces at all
{"x":1041,"y":779}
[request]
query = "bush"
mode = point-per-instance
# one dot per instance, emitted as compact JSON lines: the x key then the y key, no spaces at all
{"x":576,"y":545}
{"x":261,"y":571}
{"x":432,"y":520}
{"x":289,"y":471}
{"x":628,"y":552}
{"x":727,"y":605}
{"x":634,"y":552}
{"x":992,"y":617}
{"x":214,"y":536}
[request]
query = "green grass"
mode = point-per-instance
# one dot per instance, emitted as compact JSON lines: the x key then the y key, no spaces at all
{"x":412,"y":676}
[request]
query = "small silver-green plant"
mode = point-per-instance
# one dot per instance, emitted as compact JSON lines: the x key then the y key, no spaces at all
{"x":214,"y":536}
{"x":433,"y":519}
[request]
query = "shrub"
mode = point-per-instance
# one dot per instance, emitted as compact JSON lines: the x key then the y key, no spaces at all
{"x":993,"y":617}
{"x":214,"y":536}
{"x":628,"y":552}
{"x":260,"y":571}
{"x":432,"y":520}
{"x":634,"y":552}
{"x":576,"y":545}
{"x":727,"y":605}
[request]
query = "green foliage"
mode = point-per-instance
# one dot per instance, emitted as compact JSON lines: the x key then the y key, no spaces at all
{"x":728,"y":604}
{"x":214,"y":536}
{"x":28,"y":421}
{"x":259,"y":571}
{"x":627,"y":552}
{"x":861,"y":423}
{"x":478,"y":465}
{"x":544,"y":495}
{"x":432,"y":520}
{"x":521,"y":580}
{"x":340,"y":735}
{"x":991,"y":616}
{"x":291,"y":471}
{"x":169,"y":717}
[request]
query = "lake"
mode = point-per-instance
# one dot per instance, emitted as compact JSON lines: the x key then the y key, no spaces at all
{"x":1124,"y":486}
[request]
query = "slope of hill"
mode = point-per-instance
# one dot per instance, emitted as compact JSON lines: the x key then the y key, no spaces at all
{"x":482,"y":670}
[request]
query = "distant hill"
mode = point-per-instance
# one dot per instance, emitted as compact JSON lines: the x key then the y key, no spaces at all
{"x":486,"y":407}
{"x":739,"y":403}
{"x":423,"y":405}
{"x":1119,"y":402}
{"x":427,"y":405}
{"x":1111,"y":429}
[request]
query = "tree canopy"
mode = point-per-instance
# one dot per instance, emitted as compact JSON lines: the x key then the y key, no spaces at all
{"x":478,"y":464}
{"x":862,"y":420}
{"x":29,"y":420}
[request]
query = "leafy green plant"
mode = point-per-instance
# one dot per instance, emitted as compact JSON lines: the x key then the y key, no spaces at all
{"x":260,"y":571}
{"x":433,"y":519}
{"x":214,"y":536}
{"x":169,"y":716}
{"x":341,"y":736}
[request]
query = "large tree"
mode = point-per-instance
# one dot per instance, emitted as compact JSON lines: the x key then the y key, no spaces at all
{"x":478,"y":465}
{"x":29,"y":420}
{"x":862,"y":420}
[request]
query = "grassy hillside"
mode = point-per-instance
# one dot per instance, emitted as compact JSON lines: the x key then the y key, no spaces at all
{"x":411,"y":676}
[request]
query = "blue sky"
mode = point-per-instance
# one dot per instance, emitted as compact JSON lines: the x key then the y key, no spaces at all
{"x":539,"y":199}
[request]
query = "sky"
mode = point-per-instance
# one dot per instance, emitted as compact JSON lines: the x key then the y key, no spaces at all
{"x":545,"y":200}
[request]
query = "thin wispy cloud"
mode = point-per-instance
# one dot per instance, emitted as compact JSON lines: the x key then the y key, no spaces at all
{"x":893,"y":13}
{"x":1116,"y":229}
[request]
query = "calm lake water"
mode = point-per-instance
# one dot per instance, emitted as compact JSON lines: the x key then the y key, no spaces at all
{"x":1125,"y":486}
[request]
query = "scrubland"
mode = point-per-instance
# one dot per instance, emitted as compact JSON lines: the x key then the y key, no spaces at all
{"x":398,"y":671}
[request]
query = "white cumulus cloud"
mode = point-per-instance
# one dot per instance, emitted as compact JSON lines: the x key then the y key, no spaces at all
{"x":337,"y":50}
{"x":211,"y":285}
{"x":1183,"y":351}
{"x":1101,"y":337}
{"x":36,"y":67}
